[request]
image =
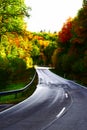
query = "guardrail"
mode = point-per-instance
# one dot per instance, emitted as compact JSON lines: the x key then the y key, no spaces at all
{"x":18,"y":90}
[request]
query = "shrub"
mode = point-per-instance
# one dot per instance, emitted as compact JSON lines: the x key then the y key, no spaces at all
{"x":78,"y":67}
{"x":4,"y":74}
{"x":17,"y":67}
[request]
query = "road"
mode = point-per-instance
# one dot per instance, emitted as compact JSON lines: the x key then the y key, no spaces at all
{"x":56,"y":104}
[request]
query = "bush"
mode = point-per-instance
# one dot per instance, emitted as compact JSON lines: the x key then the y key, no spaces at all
{"x":4,"y":74}
{"x":17,"y":67}
{"x":78,"y":67}
{"x":11,"y":69}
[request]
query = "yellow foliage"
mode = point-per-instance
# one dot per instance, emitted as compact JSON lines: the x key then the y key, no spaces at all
{"x":0,"y":19}
{"x":29,"y":62}
{"x":44,"y":43}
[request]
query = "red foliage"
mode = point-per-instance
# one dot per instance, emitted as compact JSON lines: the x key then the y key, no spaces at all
{"x":65,"y":34}
{"x":40,"y":38}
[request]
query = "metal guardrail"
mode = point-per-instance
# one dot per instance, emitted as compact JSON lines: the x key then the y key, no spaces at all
{"x":18,"y":90}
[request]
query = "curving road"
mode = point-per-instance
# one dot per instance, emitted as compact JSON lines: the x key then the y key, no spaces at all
{"x":56,"y":104}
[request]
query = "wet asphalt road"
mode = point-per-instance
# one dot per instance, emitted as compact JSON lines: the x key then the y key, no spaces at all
{"x":56,"y":104}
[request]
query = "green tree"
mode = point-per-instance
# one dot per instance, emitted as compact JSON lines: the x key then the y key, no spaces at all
{"x":79,"y":29}
{"x":35,"y":53}
{"x":12,"y":13}
{"x":48,"y":52}
{"x":84,"y":2}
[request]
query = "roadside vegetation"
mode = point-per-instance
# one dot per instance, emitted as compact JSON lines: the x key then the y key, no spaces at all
{"x":20,"y":49}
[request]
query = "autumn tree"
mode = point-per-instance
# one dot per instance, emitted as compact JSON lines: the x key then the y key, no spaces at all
{"x":72,"y":52}
{"x":81,"y":21}
{"x":65,"y":33}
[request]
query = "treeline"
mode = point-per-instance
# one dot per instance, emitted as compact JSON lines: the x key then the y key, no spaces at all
{"x":19,"y":52}
{"x":71,"y":55}
{"x":12,"y":26}
{"x":65,"y":50}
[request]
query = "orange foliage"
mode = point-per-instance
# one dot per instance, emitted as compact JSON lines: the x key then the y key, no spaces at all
{"x":17,"y":41}
{"x":10,"y":40}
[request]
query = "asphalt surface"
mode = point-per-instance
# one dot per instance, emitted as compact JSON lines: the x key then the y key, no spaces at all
{"x":56,"y":104}
{"x":5,"y":106}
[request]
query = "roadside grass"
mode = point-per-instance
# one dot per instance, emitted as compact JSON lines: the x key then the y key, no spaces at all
{"x":18,"y":97}
{"x":18,"y":84}
{"x":13,"y":86}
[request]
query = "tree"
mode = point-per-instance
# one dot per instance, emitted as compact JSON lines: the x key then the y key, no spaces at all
{"x":48,"y":52}
{"x":12,"y":13}
{"x":79,"y":29}
{"x":84,"y":2}
{"x":65,"y":33}
{"x":72,"y":57}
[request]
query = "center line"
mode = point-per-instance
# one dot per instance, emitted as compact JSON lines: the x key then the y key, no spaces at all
{"x":66,"y":95}
{"x":61,"y":112}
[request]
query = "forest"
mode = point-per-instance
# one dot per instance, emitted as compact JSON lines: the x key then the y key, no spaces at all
{"x":20,"y":49}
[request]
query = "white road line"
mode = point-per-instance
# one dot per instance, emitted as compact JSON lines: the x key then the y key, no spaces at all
{"x":61,"y":112}
{"x":66,"y":95}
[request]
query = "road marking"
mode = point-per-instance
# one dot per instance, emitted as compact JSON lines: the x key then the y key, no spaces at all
{"x":66,"y":95}
{"x":61,"y":112}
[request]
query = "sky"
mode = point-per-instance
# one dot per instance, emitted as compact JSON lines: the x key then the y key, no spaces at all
{"x":49,"y":15}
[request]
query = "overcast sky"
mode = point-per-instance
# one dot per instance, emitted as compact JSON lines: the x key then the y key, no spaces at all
{"x":50,"y":15}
